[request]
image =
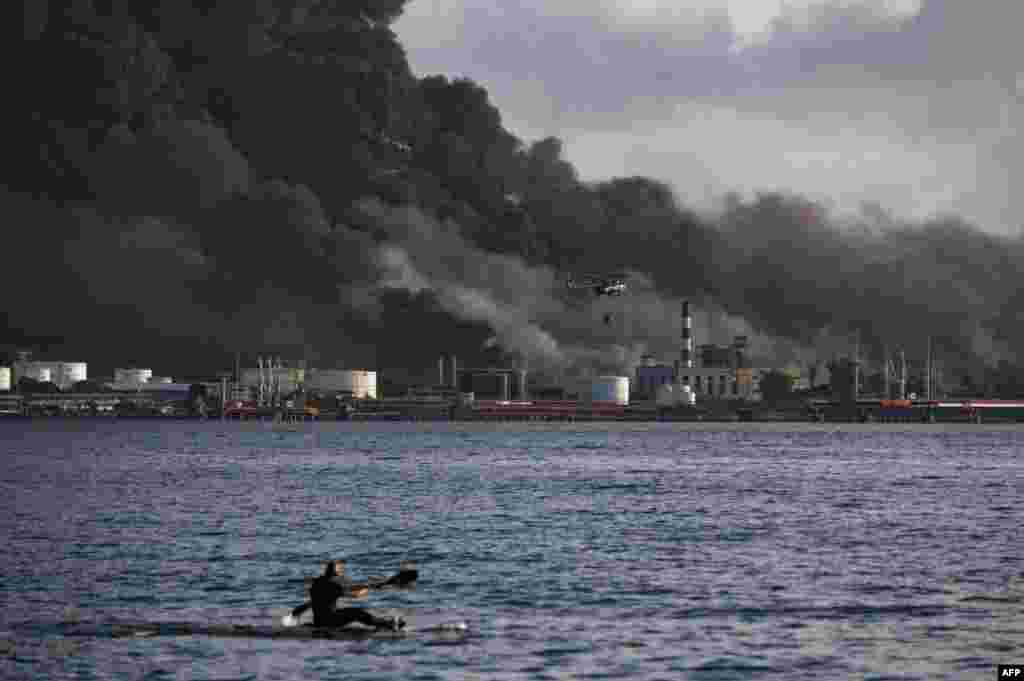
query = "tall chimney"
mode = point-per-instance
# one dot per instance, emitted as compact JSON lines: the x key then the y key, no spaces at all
{"x":928,"y":371}
{"x":442,"y":379}
{"x":903,"y":376}
{"x":856,"y":368}
{"x":522,"y":385}
{"x":886,"y":370}
{"x":453,"y":368}
{"x":260,"y":392}
{"x":686,"y":352}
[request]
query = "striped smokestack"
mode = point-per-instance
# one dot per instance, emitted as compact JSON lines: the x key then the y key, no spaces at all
{"x":686,"y":352}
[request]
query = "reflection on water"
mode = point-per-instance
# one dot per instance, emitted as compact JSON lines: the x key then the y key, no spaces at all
{"x":969,"y":631}
{"x":587,"y":551}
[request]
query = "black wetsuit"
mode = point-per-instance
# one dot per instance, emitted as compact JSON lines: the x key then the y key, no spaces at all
{"x":324,"y":595}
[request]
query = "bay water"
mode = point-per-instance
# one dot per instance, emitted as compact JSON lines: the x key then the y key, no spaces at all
{"x":570,"y":551}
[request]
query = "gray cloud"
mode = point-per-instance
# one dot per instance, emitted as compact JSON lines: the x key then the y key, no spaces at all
{"x":910,"y":105}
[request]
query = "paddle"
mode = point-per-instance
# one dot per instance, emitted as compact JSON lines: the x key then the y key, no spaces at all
{"x":405,"y":577}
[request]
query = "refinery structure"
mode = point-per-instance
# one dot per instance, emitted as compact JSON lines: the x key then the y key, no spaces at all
{"x":705,"y":381}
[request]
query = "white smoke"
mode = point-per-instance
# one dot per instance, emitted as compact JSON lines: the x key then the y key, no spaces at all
{"x":530,"y":311}
{"x":512,"y":329}
{"x":398,"y":272}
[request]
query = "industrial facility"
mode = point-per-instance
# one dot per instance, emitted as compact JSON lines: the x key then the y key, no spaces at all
{"x":724,"y":372}
{"x":706,"y":381}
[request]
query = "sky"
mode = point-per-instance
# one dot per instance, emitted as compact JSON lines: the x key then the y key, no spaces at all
{"x":910,"y":106}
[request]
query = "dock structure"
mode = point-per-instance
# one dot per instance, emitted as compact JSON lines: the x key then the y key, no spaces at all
{"x":242,"y":411}
{"x":540,"y":410}
{"x":124,"y":403}
{"x":463,"y":407}
{"x":918,"y":411}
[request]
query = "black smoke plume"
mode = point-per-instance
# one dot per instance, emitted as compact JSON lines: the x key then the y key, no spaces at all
{"x":193,"y":180}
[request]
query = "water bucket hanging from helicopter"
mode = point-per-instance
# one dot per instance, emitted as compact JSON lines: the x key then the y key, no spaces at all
{"x":615,"y":317}
{"x":608,"y":291}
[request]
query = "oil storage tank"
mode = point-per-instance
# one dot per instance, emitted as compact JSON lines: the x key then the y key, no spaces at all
{"x":356,"y":382}
{"x":35,"y":371}
{"x":66,"y":374}
{"x":5,"y":379}
{"x":610,"y":389}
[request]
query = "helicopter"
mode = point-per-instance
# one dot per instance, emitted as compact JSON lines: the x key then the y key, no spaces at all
{"x":611,"y":285}
{"x":601,"y":284}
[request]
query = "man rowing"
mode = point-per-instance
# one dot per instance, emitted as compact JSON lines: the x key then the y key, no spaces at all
{"x":332,"y":585}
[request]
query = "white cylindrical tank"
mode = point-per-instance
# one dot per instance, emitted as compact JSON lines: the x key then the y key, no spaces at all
{"x":73,"y":372}
{"x":361,"y":384}
{"x":665,"y":396}
{"x":131,"y":378}
{"x":66,"y":374}
{"x":160,"y":380}
{"x":5,"y":378}
{"x":684,"y":395}
{"x":610,"y":389}
{"x":35,"y":371}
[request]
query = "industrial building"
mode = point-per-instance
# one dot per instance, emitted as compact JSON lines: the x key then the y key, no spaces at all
{"x":490,"y":383}
{"x":356,"y":383}
{"x":724,"y":372}
{"x":724,"y":383}
{"x":605,"y":389}
{"x":271,"y":380}
{"x":494,"y":383}
{"x":651,"y":376}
